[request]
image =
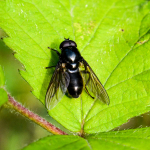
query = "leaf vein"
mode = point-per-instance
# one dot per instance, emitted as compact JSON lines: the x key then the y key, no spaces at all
{"x":98,"y":25}
{"x":116,"y":143}
{"x":115,"y":106}
{"x":26,"y":33}
{"x":128,"y":78}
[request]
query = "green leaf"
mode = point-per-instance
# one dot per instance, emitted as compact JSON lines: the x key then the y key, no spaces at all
{"x":3,"y":94}
{"x":2,"y":79}
{"x":59,"y":142}
{"x":113,"y":36}
{"x":124,"y":140}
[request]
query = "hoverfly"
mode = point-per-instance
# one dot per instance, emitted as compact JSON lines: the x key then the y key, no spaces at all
{"x":68,"y":77}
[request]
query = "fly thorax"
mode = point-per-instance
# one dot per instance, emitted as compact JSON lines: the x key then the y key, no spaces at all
{"x":70,"y":55}
{"x":72,"y":66}
{"x":73,"y":70}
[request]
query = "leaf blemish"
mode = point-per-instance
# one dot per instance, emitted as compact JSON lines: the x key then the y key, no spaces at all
{"x":78,"y":27}
{"x":92,"y":25}
{"x":122,"y":30}
{"x":142,"y":42}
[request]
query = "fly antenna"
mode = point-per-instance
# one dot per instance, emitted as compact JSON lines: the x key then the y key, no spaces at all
{"x":66,"y":39}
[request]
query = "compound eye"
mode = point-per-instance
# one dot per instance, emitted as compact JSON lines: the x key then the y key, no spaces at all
{"x":67,"y":43}
{"x":72,"y":43}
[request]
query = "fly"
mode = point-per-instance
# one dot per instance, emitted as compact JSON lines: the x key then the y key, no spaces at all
{"x":68,"y":77}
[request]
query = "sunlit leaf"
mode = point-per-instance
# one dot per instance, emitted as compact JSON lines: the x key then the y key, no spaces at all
{"x":2,"y":79}
{"x":113,"y":36}
{"x":3,"y":94}
{"x":124,"y":140}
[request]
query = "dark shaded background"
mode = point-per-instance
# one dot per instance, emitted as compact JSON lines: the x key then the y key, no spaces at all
{"x":15,"y":130}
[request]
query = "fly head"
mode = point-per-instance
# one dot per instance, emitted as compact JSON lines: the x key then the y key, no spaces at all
{"x":67,"y":43}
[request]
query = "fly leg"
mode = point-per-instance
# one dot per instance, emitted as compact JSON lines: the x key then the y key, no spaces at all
{"x":57,"y":54}
{"x":88,"y":92}
{"x":86,"y":72}
{"x":55,"y":51}
{"x":49,"y":67}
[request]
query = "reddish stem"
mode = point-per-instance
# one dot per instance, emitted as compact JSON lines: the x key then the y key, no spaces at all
{"x":34,"y":117}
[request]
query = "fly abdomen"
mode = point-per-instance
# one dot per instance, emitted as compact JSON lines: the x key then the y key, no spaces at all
{"x":76,"y":83}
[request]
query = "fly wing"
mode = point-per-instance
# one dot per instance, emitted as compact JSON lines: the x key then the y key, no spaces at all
{"x":57,"y":87}
{"x":93,"y":84}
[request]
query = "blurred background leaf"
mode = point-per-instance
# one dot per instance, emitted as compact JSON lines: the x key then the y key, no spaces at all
{"x":3,"y":94}
{"x":2,"y":78}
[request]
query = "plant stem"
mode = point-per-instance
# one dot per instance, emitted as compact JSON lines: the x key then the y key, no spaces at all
{"x":34,"y":117}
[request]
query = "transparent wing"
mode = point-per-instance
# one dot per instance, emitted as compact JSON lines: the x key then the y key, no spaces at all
{"x":92,"y":84}
{"x":57,"y":87}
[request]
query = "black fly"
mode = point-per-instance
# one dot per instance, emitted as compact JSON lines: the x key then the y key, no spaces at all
{"x":68,"y":77}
